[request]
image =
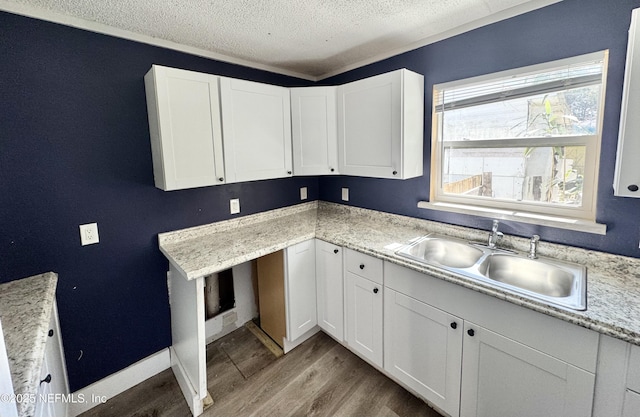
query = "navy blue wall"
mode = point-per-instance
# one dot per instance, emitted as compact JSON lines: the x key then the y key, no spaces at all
{"x":568,"y":28}
{"x":74,"y":149}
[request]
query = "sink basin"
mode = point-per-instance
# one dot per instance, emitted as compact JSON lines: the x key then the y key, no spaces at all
{"x":445,"y":251}
{"x":531,"y":275}
{"x":554,"y":282}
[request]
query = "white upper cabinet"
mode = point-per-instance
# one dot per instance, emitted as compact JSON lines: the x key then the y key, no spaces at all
{"x":207,"y":130}
{"x":314,"y":130}
{"x":184,"y":123}
{"x":381,"y":126}
{"x":627,"y":176}
{"x":256,"y":124}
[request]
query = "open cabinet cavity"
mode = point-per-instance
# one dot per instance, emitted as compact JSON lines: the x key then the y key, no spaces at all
{"x":287,"y":294}
{"x":230,"y":300}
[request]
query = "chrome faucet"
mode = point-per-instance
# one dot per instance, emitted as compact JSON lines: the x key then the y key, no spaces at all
{"x":494,"y":236}
{"x":533,"y":247}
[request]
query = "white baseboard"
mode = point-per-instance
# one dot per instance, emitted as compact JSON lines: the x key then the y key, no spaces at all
{"x":119,"y":382}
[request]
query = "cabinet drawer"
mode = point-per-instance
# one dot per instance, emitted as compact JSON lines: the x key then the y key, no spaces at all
{"x":633,"y":375}
{"x":364,"y":265}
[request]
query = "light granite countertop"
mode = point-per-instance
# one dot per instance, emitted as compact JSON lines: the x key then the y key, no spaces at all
{"x":613,"y":282}
{"x":25,"y":312}
{"x":203,"y":250}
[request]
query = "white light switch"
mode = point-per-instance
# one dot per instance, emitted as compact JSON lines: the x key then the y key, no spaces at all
{"x":234,"y":205}
{"x":345,"y":194}
{"x":89,"y":234}
{"x":303,"y":193}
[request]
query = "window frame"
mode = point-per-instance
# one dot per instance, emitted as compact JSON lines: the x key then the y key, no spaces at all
{"x":592,"y":143}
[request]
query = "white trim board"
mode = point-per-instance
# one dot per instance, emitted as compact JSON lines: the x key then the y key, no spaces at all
{"x":119,"y":382}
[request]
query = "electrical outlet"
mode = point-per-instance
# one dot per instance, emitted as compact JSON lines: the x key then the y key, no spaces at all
{"x":303,"y":193}
{"x":345,"y":194}
{"x":234,"y":205}
{"x":89,"y":234}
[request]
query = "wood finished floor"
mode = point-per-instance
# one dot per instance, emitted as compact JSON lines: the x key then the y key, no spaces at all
{"x":318,"y":378}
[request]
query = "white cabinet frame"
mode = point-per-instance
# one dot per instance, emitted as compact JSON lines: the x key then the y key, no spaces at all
{"x":626,"y":181}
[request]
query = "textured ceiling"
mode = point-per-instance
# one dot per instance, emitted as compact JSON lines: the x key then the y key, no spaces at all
{"x":308,"y":38}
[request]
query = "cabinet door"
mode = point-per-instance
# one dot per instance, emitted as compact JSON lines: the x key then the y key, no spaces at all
{"x":314,"y":130}
{"x":330,"y":289}
{"x":184,"y":124}
{"x":44,"y":408}
{"x":423,"y":349}
{"x":504,"y":378}
{"x":54,"y":359}
{"x":631,"y":406}
{"x":256,"y":129}
{"x":364,"y":317}
{"x":369,"y":126}
{"x":627,"y":175}
{"x":301,"y":289}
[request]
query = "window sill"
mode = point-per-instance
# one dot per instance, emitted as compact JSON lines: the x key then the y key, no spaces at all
{"x":523,"y":217}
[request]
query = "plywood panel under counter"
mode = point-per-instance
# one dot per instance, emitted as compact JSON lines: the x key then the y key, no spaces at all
{"x":271,"y":296}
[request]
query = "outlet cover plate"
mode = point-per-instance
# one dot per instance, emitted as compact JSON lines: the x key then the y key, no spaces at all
{"x":303,"y":193}
{"x":345,"y":194}
{"x":234,"y":205}
{"x":89,"y":234}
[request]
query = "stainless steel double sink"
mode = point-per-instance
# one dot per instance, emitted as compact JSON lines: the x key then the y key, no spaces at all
{"x":554,"y":282}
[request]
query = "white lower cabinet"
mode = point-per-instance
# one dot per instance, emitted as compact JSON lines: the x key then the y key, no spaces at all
{"x":53,"y":374}
{"x":465,"y":353}
{"x":423,"y":349}
{"x":631,"y":406}
{"x":363,"y":305}
{"x":364,"y":317}
{"x":617,"y":392}
{"x":330,"y":289}
{"x":503,"y":378}
{"x":471,"y":355}
{"x":300,"y":289}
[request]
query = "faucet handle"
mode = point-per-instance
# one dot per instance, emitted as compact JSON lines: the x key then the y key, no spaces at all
{"x":533,"y":247}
